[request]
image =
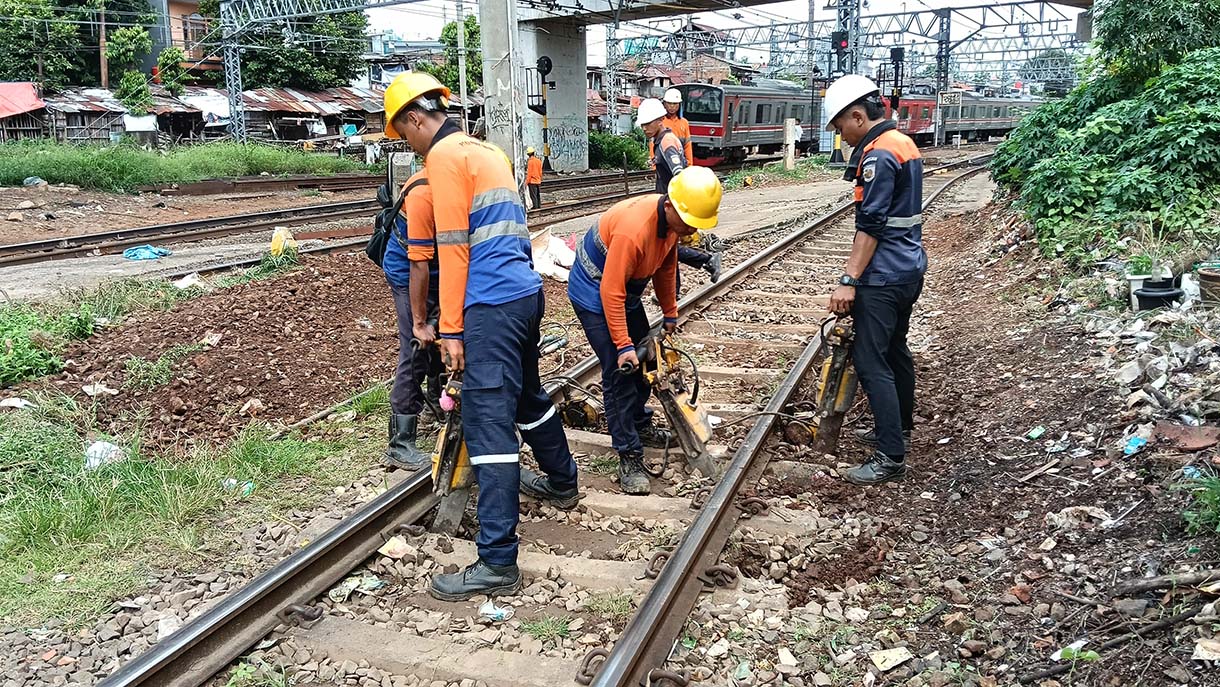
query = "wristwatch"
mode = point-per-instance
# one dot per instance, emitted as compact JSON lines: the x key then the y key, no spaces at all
{"x":848,"y":280}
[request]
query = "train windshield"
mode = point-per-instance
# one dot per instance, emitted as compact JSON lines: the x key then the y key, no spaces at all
{"x":703,"y":104}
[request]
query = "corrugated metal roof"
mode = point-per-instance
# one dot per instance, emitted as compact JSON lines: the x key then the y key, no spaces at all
{"x":18,"y":97}
{"x":84,"y":100}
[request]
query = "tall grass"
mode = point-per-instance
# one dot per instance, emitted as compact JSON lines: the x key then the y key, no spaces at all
{"x":807,"y":169}
{"x":98,"y":527}
{"x":126,"y":167}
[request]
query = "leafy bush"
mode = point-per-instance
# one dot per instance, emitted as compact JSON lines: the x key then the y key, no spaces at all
{"x":125,"y":168}
{"x":1109,"y":161}
{"x":606,"y":150}
{"x":133,"y":92}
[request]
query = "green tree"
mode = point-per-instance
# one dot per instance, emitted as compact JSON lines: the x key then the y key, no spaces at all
{"x":447,"y":72}
{"x":133,"y":91}
{"x":1135,"y":39}
{"x":169,"y":67}
{"x":127,"y":46}
{"x":1049,"y":65}
{"x":36,"y":44}
{"x":310,"y":54}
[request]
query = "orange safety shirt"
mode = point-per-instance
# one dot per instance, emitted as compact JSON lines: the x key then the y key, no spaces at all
{"x":533,"y":170}
{"x":681,"y":129}
{"x":421,"y":225}
{"x":481,"y":236}
{"x":627,"y":246}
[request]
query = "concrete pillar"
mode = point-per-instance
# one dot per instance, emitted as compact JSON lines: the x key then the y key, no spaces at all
{"x":567,"y":106}
{"x":503,"y":80}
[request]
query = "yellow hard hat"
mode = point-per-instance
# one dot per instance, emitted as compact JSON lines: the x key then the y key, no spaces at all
{"x":695,"y":193}
{"x":529,"y":150}
{"x":404,"y":89}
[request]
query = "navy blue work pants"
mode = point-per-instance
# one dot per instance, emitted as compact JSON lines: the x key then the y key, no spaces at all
{"x":414,"y":365}
{"x":624,"y":396}
{"x":501,"y":396}
{"x":882,"y":317}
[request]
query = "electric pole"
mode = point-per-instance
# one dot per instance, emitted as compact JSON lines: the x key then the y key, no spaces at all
{"x":461,"y":42}
{"x":101,"y":44}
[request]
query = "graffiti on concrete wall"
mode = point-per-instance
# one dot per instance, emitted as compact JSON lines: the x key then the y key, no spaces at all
{"x":569,"y":143}
{"x":499,"y":116}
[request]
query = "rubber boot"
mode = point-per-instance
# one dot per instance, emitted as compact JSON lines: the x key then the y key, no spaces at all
{"x":477,"y":578}
{"x":869,"y":436}
{"x":877,"y":469}
{"x":653,"y":436}
{"x":713,"y":267}
{"x":402,"y":452}
{"x":539,"y":487}
{"x":632,"y":478}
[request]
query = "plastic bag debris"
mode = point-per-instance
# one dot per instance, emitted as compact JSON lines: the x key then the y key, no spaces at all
{"x":1036,"y":433}
{"x":33,"y":181}
{"x":101,"y":453}
{"x":16,"y":403}
{"x":1206,"y":650}
{"x":146,"y":252}
{"x":1075,"y":516}
{"x":1070,"y":650}
{"x":395,"y":547}
{"x":98,"y":389}
{"x":497,"y":613}
{"x":1133,"y":445}
{"x":244,"y":488}
{"x":190,"y":280}
{"x":281,"y":241}
{"x":366,"y":584}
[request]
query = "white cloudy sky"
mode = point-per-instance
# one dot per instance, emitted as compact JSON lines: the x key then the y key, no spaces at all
{"x":423,"y":20}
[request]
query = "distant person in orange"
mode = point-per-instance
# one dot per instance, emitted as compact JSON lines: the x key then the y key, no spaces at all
{"x":533,"y":178}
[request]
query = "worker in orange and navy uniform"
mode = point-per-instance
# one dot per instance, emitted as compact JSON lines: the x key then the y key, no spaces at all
{"x":632,"y":243}
{"x":669,"y":159}
{"x":415,"y":364}
{"x":491,"y":309}
{"x":884,"y":273}
{"x":533,"y":178}
{"x":675,"y":122}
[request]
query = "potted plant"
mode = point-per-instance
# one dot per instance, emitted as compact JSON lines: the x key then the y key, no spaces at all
{"x":1139,"y":270}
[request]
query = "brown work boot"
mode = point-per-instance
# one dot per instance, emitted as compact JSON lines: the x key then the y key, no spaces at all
{"x":632,"y":478}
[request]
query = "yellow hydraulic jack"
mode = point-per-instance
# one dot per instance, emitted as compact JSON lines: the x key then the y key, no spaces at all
{"x":836,"y":386}
{"x":687,"y":419}
{"x":451,"y":471}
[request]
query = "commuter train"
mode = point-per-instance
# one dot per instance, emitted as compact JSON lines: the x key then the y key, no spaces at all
{"x":729,"y":123}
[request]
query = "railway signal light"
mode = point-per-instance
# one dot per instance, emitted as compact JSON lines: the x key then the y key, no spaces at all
{"x":839,"y":40}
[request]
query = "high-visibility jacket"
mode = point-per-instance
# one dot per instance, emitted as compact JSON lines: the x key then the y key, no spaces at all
{"x":626,"y":247}
{"x":533,"y":170}
{"x":481,"y":236}
{"x":681,"y":129}
{"x":415,"y":217}
{"x":670,"y":158}
{"x":888,"y":172}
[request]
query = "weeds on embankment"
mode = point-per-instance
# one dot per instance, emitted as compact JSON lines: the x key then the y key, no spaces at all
{"x":127,"y":167}
{"x":774,"y":174}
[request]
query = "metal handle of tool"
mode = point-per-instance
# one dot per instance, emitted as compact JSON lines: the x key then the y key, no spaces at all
{"x":645,"y":352}
{"x":416,"y":344}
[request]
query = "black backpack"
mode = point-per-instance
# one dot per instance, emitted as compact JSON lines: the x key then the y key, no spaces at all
{"x":383,"y":224}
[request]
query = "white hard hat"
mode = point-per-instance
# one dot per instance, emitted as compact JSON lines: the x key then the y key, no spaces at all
{"x":673,"y":95}
{"x":844,"y":93}
{"x":650,"y":111}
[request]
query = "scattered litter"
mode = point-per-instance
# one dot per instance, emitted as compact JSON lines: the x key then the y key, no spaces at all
{"x":1047,"y":544}
{"x":146,"y":252}
{"x":1036,"y":433}
{"x":1070,"y":650}
{"x":231,"y":484}
{"x":33,"y":181}
{"x":344,"y":589}
{"x":714,"y":420}
{"x":1206,"y":650}
{"x":742,"y":671}
{"x":396,"y":547}
{"x":281,"y":240}
{"x":191,"y":280}
{"x":719,"y":648}
{"x":787,"y":658}
{"x":210,"y":339}
{"x":1191,"y":472}
{"x":252,"y":407}
{"x":1134,"y":445}
{"x":889,"y":659}
{"x":17,"y":403}
{"x":98,"y":389}
{"x":167,"y":626}
{"x":1075,"y":516}
{"x":364,"y":323}
{"x":61,"y":577}
{"x":944,"y":440}
{"x":102,"y":453}
{"x":496,"y":613}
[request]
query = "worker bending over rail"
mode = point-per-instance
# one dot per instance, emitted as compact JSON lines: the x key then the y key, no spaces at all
{"x":533,"y":178}
{"x":884,"y":273}
{"x":632,"y":243}
{"x":668,"y":157}
{"x":414,"y":287}
{"x":491,"y":308}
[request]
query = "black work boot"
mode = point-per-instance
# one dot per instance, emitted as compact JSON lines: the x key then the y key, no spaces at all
{"x":402,"y":452}
{"x":478,"y":578}
{"x":656,"y":437}
{"x":877,"y":469}
{"x":713,"y":267}
{"x":539,"y":487}
{"x":869,"y":436}
{"x":632,"y":478}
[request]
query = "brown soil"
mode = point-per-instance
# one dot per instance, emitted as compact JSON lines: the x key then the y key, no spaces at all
{"x":75,"y":212}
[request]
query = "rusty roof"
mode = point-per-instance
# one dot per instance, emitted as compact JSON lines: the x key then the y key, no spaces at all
{"x":84,"y":100}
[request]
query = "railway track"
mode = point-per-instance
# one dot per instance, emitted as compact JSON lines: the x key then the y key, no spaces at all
{"x":762,"y":314}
